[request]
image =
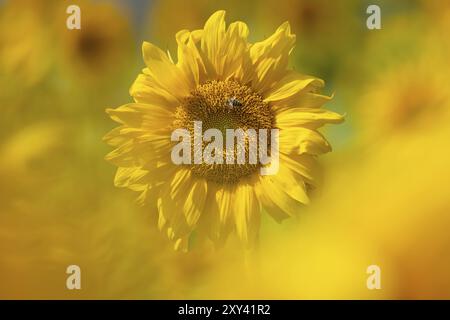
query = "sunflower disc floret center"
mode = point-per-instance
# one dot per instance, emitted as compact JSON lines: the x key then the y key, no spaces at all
{"x":224,"y":105}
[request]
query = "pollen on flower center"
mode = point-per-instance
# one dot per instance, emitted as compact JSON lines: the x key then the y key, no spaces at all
{"x":224,"y":105}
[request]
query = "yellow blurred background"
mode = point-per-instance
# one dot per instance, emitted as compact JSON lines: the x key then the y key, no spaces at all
{"x":384,"y":198}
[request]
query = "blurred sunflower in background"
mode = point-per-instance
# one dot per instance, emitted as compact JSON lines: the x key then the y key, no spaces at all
{"x":214,"y":65}
{"x":101,"y":49}
{"x":404,"y":91}
{"x":323,"y":48}
{"x":24,"y":60}
{"x":405,"y":99}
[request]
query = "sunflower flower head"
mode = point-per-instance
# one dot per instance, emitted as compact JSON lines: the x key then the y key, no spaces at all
{"x":223,"y":82}
{"x":405,"y":100}
{"x":100,"y":48}
{"x":26,"y":59}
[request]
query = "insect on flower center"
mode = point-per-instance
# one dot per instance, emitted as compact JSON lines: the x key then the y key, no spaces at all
{"x":224,"y":105}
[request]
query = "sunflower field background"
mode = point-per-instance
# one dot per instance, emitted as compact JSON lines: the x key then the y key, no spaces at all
{"x":384,"y":196}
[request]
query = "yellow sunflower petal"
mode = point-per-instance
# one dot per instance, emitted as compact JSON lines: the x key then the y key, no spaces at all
{"x":246,"y":208}
{"x":305,"y":100}
{"x":303,"y":140}
{"x":189,"y":58}
{"x":269,"y":206}
{"x":125,"y":154}
{"x":209,"y":223}
{"x":226,"y":50}
{"x":115,"y":137}
{"x":270,"y":57}
{"x":306,"y":117}
{"x":292,"y":84}
{"x":197,"y":35}
{"x":140,"y":115}
{"x":130,"y":177}
{"x":168,"y":207}
{"x":162,"y":222}
{"x":286,"y":180}
{"x":138,"y":148}
{"x":146,"y":90}
{"x":237,"y":60}
{"x":224,"y":203}
{"x":159,"y":173}
{"x":304,"y":164}
{"x":181,"y":244}
{"x":194,"y":202}
{"x":168,"y":75}
{"x":212,"y":41}
{"x":187,"y":199}
{"x":275,"y":200}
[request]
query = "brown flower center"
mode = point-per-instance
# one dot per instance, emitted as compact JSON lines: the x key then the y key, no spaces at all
{"x":225,"y":105}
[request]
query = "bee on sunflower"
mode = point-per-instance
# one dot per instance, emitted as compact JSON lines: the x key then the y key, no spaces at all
{"x":225,"y":82}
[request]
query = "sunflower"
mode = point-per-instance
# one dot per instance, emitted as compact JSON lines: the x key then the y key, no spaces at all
{"x":406,"y":99}
{"x":100,"y":48}
{"x":226,"y":82}
{"x":24,"y":60}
